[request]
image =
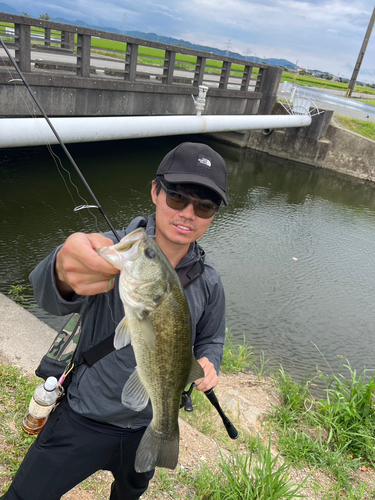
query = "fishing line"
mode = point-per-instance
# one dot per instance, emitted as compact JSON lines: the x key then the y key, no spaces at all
{"x":75,"y":166}
{"x":54,"y":156}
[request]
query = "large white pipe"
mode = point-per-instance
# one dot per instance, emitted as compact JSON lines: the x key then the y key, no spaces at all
{"x":19,"y":132}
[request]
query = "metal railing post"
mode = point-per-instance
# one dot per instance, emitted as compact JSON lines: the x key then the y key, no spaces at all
{"x":83,"y":55}
{"x":22,"y":47}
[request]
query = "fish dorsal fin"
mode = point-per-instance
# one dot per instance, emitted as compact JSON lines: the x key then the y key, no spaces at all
{"x":196,"y":372}
{"x":134,"y":395}
{"x":122,"y":334}
{"x":148,"y":332}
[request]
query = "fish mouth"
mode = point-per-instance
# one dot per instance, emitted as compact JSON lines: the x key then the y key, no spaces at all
{"x":128,"y":249}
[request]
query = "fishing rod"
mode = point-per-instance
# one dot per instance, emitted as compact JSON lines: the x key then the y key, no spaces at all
{"x":210,"y":394}
{"x":97,"y":204}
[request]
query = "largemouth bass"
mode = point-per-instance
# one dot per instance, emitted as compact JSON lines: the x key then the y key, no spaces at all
{"x":157,"y":323}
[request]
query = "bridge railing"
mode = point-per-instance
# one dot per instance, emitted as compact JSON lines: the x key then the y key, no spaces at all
{"x":42,"y":46}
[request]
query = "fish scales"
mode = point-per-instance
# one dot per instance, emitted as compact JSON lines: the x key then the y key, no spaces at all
{"x":158,"y":324}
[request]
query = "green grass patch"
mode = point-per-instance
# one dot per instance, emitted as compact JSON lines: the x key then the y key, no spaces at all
{"x":252,"y":475}
{"x":319,"y":82}
{"x":239,"y":357}
{"x":366,"y":129}
{"x":335,"y":433}
{"x":15,"y":394}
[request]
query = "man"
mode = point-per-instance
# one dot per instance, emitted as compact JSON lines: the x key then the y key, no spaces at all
{"x":90,"y":429}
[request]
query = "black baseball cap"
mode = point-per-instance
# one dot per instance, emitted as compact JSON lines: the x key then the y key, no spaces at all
{"x":194,"y":163}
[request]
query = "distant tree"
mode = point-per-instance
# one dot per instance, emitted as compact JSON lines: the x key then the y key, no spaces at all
{"x":25,"y":14}
{"x":45,"y":16}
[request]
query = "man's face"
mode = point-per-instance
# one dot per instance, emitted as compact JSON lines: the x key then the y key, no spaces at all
{"x":177,"y":226}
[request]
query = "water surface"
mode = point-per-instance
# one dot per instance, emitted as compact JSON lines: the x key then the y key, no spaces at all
{"x":295,"y":246}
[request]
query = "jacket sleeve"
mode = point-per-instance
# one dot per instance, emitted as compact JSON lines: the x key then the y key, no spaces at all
{"x":46,"y":293}
{"x":210,"y":329}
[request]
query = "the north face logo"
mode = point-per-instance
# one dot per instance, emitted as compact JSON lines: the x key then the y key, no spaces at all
{"x":204,"y":161}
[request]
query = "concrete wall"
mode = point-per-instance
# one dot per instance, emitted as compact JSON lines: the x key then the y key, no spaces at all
{"x":72,"y":96}
{"x":322,"y":144}
{"x":350,"y":153}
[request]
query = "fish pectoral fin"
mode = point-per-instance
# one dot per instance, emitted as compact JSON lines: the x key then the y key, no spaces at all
{"x":148,"y":332}
{"x":134,"y":395}
{"x":196,"y":372}
{"x":122,"y":334}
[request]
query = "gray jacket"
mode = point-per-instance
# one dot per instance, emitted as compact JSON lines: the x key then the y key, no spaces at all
{"x":95,"y":392}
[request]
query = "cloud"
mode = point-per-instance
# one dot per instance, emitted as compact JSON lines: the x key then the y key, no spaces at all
{"x":325,"y":34}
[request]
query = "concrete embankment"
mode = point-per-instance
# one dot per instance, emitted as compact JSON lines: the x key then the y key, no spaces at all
{"x":24,"y":339}
{"x":323,"y":144}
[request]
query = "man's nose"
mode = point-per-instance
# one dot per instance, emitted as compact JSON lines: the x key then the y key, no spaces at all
{"x":188,"y":212}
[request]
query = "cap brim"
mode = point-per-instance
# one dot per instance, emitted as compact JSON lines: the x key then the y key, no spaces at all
{"x":196,"y":179}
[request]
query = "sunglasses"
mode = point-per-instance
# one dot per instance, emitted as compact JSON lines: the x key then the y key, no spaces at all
{"x":179,"y":201}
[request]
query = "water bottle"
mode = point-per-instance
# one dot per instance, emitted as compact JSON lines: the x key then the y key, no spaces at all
{"x":41,"y":405}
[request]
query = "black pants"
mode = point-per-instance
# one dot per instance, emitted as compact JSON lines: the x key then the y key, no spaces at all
{"x":69,"y":449}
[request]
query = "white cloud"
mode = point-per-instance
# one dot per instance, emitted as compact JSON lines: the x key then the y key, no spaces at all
{"x":325,"y":34}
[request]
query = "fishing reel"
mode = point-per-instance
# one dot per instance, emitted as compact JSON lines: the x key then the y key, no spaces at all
{"x":186,"y":401}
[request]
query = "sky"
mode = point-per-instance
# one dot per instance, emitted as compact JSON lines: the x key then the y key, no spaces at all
{"x":326,"y":35}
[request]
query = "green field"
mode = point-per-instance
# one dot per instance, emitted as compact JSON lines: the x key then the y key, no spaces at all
{"x":325,"y":84}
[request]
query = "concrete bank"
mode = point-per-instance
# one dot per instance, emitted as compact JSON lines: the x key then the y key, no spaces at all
{"x":24,"y":339}
{"x":323,"y":144}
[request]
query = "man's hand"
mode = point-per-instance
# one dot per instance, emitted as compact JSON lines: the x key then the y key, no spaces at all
{"x":80,"y":269}
{"x":210,"y":379}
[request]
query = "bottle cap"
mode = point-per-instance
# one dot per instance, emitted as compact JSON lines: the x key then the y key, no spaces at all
{"x":50,"y":384}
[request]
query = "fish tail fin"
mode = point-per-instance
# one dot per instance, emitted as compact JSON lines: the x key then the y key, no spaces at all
{"x":155,"y":450}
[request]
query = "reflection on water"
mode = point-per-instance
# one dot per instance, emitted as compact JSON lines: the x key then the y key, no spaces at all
{"x":294,"y":247}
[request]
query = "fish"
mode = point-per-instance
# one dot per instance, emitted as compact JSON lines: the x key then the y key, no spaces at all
{"x":158,"y":325}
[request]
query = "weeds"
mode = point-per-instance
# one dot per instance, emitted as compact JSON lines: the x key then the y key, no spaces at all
{"x":236,"y":358}
{"x":15,"y":293}
{"x":335,"y":433}
{"x":246,"y":476}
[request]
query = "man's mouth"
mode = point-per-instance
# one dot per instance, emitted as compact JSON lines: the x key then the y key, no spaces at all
{"x":183,"y":227}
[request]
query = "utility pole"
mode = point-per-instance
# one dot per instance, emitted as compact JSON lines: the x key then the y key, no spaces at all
{"x":360,"y":56}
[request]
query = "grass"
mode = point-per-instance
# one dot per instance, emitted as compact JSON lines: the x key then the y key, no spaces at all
{"x":326,"y":84}
{"x":15,"y":394}
{"x":334,"y":434}
{"x":255,"y":475}
{"x":366,"y":129}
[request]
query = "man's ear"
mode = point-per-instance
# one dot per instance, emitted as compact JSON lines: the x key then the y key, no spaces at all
{"x":153,"y":193}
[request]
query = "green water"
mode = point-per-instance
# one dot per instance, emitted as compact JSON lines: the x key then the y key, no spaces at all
{"x":295,"y":246}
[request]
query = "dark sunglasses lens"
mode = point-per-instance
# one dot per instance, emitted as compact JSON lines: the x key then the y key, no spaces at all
{"x":176,"y":201}
{"x":179,"y":201}
{"x":204,"y":210}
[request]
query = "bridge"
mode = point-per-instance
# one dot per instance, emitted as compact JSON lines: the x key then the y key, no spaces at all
{"x":80,"y":72}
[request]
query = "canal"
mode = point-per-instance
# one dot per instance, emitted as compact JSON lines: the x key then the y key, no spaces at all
{"x":295,"y":246}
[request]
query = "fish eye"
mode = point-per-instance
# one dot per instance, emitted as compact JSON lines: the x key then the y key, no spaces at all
{"x":150,"y":253}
